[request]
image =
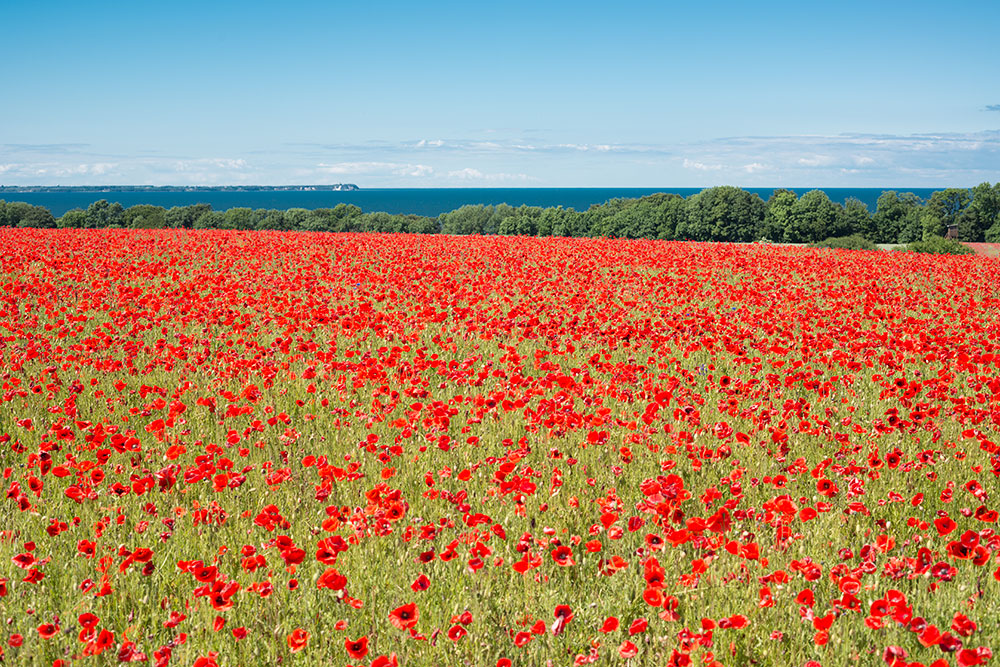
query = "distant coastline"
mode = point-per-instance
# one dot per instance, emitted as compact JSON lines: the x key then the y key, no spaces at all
{"x":334,"y":187}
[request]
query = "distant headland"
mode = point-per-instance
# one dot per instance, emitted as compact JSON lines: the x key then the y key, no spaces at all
{"x":335,"y":187}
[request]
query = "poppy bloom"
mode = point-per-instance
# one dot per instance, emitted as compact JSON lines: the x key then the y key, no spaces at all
{"x":628,"y":650}
{"x":421,"y":583}
{"x":638,"y":626}
{"x":610,"y":625}
{"x":297,"y":640}
{"x":945,"y":525}
{"x":404,"y":617}
{"x":207,"y":660}
{"x":356,"y":648}
{"x":48,"y":630}
{"x":386,"y":661}
{"x":563,"y":556}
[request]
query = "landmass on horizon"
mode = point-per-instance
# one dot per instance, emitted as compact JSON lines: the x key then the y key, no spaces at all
{"x":334,"y":187}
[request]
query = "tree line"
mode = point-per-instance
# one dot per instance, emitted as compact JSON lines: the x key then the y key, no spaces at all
{"x":724,"y":213}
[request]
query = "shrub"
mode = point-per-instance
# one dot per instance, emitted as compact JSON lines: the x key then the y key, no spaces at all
{"x":852,"y":242}
{"x":937,"y":245}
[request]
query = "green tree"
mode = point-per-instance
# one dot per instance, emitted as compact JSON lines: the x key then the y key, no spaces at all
{"x":274,"y":220}
{"x":723,"y":213}
{"x":776,"y":218}
{"x":73,"y":219}
{"x":240,"y":218}
{"x":210,"y":220}
{"x":145,"y":216}
{"x":421,"y":224}
{"x":382,"y":223}
{"x":993,"y":234}
{"x":469,"y":219}
{"x":102,"y":214}
{"x":948,"y":205}
{"x":183,"y":217}
{"x":854,"y":217}
{"x":931,"y":226}
{"x":37,"y":217}
{"x":812,"y":218}
{"x":11,"y":213}
{"x":341,"y":218}
{"x":887,"y":225}
{"x":981,"y":214}
{"x":911,"y":227}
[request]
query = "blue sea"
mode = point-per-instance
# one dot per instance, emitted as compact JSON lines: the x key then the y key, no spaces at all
{"x":422,"y":201}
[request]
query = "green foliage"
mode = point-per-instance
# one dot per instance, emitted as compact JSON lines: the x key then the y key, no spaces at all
{"x":73,"y":219}
{"x":981,"y":214}
{"x":779,"y":211}
{"x":993,"y":233}
{"x":242,"y":218}
{"x":473,"y":219}
{"x":183,"y":217}
{"x":210,"y":220}
{"x":937,"y":245}
{"x":21,"y":214}
{"x":811,"y":218}
{"x":949,"y":204}
{"x":274,"y":220}
{"x":854,"y":217}
{"x":102,"y":214}
{"x":723,"y":213}
{"x":889,"y":222}
{"x":932,"y":226}
{"x":851,"y":242}
{"x":145,"y":216}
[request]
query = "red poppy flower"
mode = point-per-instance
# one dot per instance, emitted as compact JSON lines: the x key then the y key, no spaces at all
{"x":563,"y":556}
{"x":421,"y":583}
{"x":404,"y":617}
{"x":356,"y":648}
{"x":385,"y":661}
{"x":297,"y":640}
{"x":628,"y":650}
{"x":610,"y":625}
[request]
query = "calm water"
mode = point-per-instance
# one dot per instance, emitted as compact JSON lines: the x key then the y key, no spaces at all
{"x":422,"y":201}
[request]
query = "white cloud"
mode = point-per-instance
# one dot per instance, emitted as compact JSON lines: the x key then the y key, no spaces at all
{"x":467,"y":173}
{"x":815,"y":161}
{"x":847,"y":160}
{"x":353,"y":168}
{"x":470,"y":174}
{"x":215,"y":162}
{"x":701,"y":166}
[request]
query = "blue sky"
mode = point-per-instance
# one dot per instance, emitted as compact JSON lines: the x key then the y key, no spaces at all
{"x":442,"y":94}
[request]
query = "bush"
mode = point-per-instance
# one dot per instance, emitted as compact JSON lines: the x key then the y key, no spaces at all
{"x":937,"y":245}
{"x":993,"y":233}
{"x":852,"y":242}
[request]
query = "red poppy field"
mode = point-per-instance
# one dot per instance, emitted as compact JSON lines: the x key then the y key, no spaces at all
{"x":225,"y":448}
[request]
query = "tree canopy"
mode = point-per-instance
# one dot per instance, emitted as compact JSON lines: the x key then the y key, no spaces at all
{"x":724,"y":213}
